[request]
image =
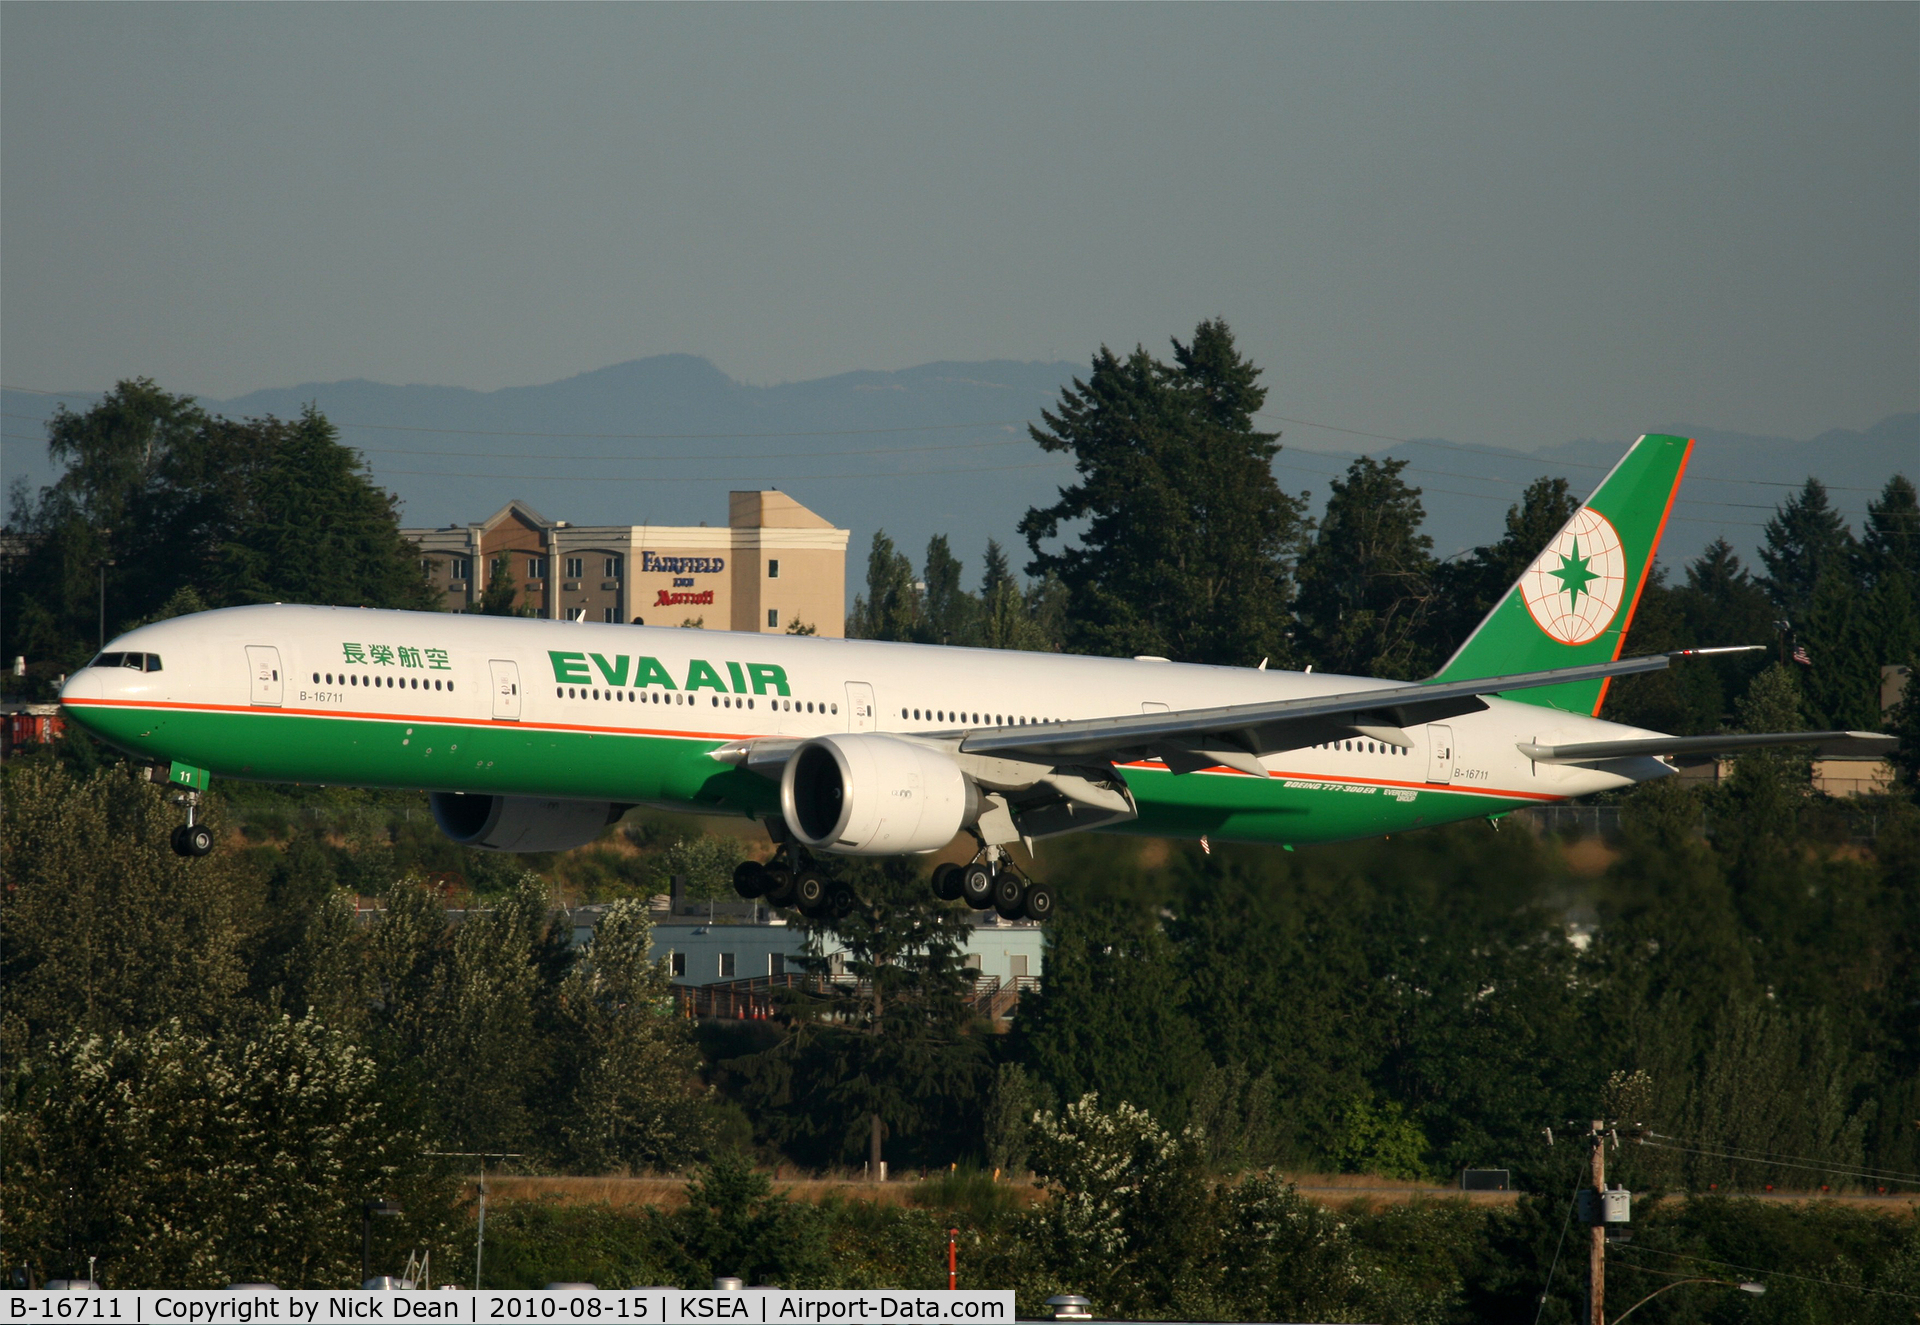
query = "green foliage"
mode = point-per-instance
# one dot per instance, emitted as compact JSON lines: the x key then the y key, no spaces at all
{"x":107,"y":929}
{"x":1367,"y":582}
{"x":501,"y":596}
{"x":1806,"y":540}
{"x":885,"y":1054}
{"x":186,"y":509}
{"x":705,"y":863}
{"x":1188,"y":540}
{"x":625,"y":1068}
{"x":188,"y":1160}
{"x":1380,"y":1139}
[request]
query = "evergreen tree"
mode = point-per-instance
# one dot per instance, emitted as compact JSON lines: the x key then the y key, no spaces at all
{"x":1367,"y":580}
{"x":1111,"y":1016}
{"x":625,"y":1065}
{"x":1186,"y":547}
{"x":891,"y":607}
{"x":1015,"y":618}
{"x":1890,"y":547}
{"x":1805,"y":539}
{"x":886,"y":1058}
{"x":1469,"y":587}
{"x":500,"y":596}
{"x":951,"y":613}
{"x":1842,"y":636}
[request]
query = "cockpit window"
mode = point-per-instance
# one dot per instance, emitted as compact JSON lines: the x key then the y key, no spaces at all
{"x":140,"y":662}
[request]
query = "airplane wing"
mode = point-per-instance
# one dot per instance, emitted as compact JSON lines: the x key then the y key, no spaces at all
{"x":1234,"y":736}
{"x":1588,"y":752}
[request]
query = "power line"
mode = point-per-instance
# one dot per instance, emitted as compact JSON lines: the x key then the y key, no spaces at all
{"x":1770,"y":1274}
{"x":1811,"y":1166}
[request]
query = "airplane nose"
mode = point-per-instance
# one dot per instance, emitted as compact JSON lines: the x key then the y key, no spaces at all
{"x":83,"y":685}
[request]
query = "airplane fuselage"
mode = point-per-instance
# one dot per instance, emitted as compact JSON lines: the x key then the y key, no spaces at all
{"x":634,"y":714}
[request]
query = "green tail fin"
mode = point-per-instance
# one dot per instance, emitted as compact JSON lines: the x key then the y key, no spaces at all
{"x":1574,"y":603}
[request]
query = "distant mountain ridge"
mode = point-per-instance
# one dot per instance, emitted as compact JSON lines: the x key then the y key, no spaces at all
{"x":937,"y":448}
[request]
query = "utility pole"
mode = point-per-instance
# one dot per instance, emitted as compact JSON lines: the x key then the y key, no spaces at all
{"x":1597,"y":1252}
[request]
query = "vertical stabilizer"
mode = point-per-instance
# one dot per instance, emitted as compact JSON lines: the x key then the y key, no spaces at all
{"x":1574,"y":603}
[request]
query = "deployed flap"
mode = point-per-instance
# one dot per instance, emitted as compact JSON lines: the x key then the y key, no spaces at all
{"x":1587,"y":752}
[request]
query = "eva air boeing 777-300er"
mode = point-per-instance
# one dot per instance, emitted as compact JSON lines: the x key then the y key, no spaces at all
{"x":534,"y":735}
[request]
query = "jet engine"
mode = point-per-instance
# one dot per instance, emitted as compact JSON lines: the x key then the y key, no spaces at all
{"x":871,"y":795}
{"x":520,"y":823}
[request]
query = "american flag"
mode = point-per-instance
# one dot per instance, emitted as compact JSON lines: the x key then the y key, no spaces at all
{"x":1800,"y":655}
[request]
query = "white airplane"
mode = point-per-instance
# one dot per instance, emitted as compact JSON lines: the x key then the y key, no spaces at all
{"x":534,"y":735}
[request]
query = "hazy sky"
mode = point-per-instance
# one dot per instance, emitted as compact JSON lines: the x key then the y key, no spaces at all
{"x":1514,"y":224}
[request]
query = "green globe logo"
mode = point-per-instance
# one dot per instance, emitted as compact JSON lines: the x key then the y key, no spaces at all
{"x":1573,"y":589}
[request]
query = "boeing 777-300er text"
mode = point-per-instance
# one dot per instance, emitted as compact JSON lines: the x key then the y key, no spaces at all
{"x":534,"y":735}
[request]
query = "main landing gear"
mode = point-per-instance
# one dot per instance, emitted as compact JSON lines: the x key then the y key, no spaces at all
{"x":793,"y":879}
{"x":992,"y":881}
{"x":191,"y":839}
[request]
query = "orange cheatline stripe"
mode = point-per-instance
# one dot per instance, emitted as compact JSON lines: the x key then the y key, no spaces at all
{"x":1653,"y":550}
{"x":432,"y":719}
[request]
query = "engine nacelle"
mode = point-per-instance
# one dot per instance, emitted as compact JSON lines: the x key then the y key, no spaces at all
{"x":871,"y":795}
{"x":520,"y":823}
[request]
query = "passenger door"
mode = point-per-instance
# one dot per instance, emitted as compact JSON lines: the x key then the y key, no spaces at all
{"x":263,"y":669}
{"x":506,"y":690}
{"x":1439,"y":754}
{"x":860,"y":710}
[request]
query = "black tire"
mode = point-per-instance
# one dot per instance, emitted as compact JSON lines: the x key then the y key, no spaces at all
{"x":946,"y":882}
{"x":750,"y":878}
{"x":809,"y":892}
{"x":179,"y":840}
{"x":198,"y":840}
{"x":840,"y":901}
{"x":1009,"y":892}
{"x":1039,"y":903}
{"x":1010,"y":897}
{"x":976,"y":886}
{"x":779,"y":888}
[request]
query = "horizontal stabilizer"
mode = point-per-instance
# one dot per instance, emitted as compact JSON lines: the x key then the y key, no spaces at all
{"x":1588,"y":752}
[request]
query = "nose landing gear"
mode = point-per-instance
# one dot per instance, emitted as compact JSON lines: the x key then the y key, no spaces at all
{"x":191,"y":839}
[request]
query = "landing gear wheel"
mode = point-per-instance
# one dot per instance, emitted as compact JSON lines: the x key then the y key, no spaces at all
{"x":779,"y":889}
{"x":1010,"y":896}
{"x":193,"y":840}
{"x":750,"y":879}
{"x":976,"y":885}
{"x":946,"y":882}
{"x":179,"y":841}
{"x":840,"y":901}
{"x":1009,"y":893}
{"x":810,"y":893}
{"x":1039,"y":905}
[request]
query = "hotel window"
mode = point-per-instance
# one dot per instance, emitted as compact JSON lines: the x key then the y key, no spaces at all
{"x":773,"y":618}
{"x":576,"y":567}
{"x":613,"y":568}
{"x":576,"y":614}
{"x":536,"y":568}
{"x":773,"y":568}
{"x":613,"y":615}
{"x":726,"y":966}
{"x":680,"y":965}
{"x":461,"y":568}
{"x":776,"y":963}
